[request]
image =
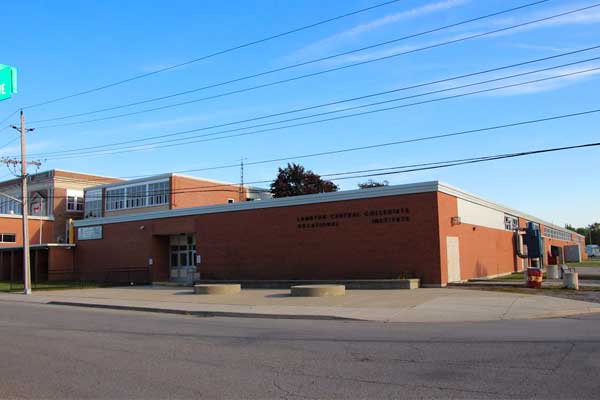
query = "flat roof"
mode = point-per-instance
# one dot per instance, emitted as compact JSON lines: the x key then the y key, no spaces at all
{"x":54,"y":170}
{"x":383,"y":191}
{"x":158,"y":177}
{"x":86,"y":174}
{"x":41,"y":246}
{"x":165,"y":176}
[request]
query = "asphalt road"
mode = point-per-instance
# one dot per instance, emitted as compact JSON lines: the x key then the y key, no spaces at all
{"x":63,"y":352}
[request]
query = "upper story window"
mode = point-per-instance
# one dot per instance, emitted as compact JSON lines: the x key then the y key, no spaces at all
{"x":511,"y":223}
{"x":8,"y":237}
{"x":93,"y":203}
{"x":140,"y":195}
{"x":115,"y":199}
{"x":158,"y":193}
{"x":136,"y":196}
{"x":9,"y":205}
{"x":557,"y":234}
{"x":40,"y":202}
{"x":74,"y":200}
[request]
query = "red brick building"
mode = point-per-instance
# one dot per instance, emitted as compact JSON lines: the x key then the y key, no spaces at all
{"x":163,"y":192}
{"x":55,"y":197}
{"x":427,"y":230}
{"x":58,"y":197}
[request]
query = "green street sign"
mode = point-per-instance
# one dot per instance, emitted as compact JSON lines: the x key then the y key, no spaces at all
{"x":8,"y":81}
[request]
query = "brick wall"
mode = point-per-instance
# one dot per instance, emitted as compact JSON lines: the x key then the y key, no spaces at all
{"x":187,"y":192}
{"x":60,"y":264}
{"x":385,"y":237}
{"x":483,"y":251}
{"x":14,"y":225}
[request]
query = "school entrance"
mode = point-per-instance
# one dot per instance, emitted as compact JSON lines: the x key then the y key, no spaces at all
{"x":182,"y":258}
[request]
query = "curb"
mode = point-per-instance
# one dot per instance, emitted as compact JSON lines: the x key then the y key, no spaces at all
{"x":205,"y":314}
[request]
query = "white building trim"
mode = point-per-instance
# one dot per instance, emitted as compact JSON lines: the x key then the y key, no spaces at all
{"x":461,"y":194}
{"x":384,"y":191}
{"x":31,"y":217}
{"x":270,"y":203}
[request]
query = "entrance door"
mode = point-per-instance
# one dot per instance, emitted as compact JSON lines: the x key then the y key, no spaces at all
{"x":183,"y":257}
{"x":453,"y":254}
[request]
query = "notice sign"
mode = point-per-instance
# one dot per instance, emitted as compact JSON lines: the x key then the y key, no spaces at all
{"x":8,"y":81}
{"x":89,"y":232}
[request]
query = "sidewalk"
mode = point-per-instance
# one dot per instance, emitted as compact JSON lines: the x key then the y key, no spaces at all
{"x":547,"y":283}
{"x":420,"y":305}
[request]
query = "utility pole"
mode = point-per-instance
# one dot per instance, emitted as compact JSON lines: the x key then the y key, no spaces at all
{"x":241,"y":188}
{"x":24,"y":203}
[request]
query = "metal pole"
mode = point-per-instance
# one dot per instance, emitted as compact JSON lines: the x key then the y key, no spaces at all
{"x":25,"y":212}
{"x":241,"y":188}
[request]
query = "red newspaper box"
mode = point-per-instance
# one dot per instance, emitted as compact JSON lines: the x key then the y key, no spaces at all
{"x":534,"y":278}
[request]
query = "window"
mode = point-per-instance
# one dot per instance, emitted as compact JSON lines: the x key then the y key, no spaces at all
{"x":8,"y":237}
{"x":38,"y":203}
{"x":511,"y":223}
{"x":74,"y":200}
{"x":136,"y":196}
{"x":74,"y":203}
{"x":158,"y":193}
{"x":230,"y":201}
{"x":557,"y":234}
{"x":93,"y":203}
{"x":115,"y":199}
{"x":10,"y":206}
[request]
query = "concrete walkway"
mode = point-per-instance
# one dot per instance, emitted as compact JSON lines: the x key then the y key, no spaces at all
{"x":421,"y":305}
{"x":547,"y":283}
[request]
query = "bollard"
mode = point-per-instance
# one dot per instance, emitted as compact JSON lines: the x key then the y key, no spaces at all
{"x":571,"y":280}
{"x":552,"y":272}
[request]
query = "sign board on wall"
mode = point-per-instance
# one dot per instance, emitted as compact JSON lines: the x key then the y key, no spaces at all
{"x":89,"y":232}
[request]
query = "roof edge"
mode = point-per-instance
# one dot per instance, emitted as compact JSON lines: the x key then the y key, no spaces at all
{"x":395,"y":190}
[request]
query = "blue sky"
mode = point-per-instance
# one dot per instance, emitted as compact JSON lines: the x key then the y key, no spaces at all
{"x":69,"y":46}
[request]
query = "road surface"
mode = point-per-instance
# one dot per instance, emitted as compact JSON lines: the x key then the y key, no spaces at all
{"x":67,"y":352}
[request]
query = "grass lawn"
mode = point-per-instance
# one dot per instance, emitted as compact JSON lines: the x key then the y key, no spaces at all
{"x":55,"y":285}
{"x":519,"y":276}
{"x":516,"y":276}
{"x":589,"y":263}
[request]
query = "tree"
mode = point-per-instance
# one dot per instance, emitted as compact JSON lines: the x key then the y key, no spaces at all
{"x":371,"y":184}
{"x":591,"y":232}
{"x":295,"y":180}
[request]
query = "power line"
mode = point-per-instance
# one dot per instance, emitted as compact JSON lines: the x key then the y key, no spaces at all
{"x":325,"y":104}
{"x":217,"y":53}
{"x":8,"y":117}
{"x":303,"y":64}
{"x":168,"y":143}
{"x":398,"y":142}
{"x":477,"y":160}
{"x":445,"y":164}
{"x":341,"y":102}
{"x":395,"y":170}
{"x":9,"y":142}
{"x":379,"y":145}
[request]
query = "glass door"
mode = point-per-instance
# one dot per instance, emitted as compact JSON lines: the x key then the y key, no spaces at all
{"x":183,"y":257}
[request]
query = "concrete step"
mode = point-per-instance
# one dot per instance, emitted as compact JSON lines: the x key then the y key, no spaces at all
{"x":350,"y":284}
